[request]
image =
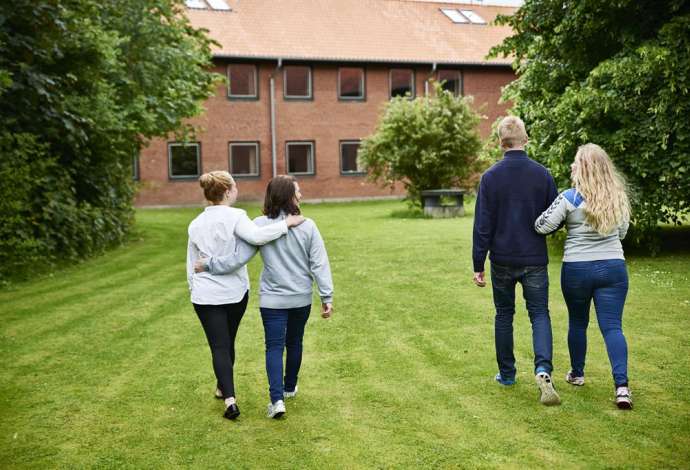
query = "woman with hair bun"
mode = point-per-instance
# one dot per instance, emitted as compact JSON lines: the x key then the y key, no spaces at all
{"x":221,"y":299}
{"x":596,"y":212}
{"x":291,"y":265}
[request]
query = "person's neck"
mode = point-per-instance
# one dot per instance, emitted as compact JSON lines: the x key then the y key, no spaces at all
{"x":517,"y":149}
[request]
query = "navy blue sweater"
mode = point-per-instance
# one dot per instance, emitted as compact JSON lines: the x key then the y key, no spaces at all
{"x":512,"y":194}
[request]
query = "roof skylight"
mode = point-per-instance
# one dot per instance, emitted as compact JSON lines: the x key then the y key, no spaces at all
{"x":195,"y":4}
{"x":454,"y":15}
{"x":219,"y":5}
{"x":473,"y":17}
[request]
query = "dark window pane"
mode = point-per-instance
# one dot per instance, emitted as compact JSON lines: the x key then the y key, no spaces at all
{"x":451,"y":79}
{"x":351,"y":82}
{"x":243,"y":159}
{"x":349,"y":155}
{"x":135,"y":167}
{"x":300,"y":158}
{"x":297,"y":80}
{"x":242,"y":80}
{"x":184,"y":160}
{"x":401,"y":82}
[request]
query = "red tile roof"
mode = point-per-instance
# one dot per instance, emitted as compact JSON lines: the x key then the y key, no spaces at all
{"x":402,"y":31}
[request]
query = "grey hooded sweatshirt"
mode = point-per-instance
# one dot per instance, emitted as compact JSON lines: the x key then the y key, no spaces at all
{"x":291,"y":264}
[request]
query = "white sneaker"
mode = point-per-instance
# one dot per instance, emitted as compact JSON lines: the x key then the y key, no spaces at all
{"x":276,"y":410}
{"x":218,"y":393}
{"x":292,"y":394}
{"x":572,"y":380}
{"x":623,"y":398}
{"x":549,"y":396}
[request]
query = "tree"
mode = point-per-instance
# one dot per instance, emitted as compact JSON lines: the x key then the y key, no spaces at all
{"x":425,"y":143}
{"x":616,"y":74}
{"x":83,"y":85}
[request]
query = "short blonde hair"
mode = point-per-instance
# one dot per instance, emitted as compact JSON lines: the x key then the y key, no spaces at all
{"x":215,"y":183}
{"x":511,"y":132}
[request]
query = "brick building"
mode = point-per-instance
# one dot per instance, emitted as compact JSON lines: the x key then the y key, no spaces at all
{"x":307,"y":80}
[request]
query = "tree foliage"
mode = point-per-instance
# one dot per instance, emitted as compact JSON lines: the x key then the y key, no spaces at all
{"x":83,"y":85}
{"x":426,"y":143}
{"x":616,"y":74}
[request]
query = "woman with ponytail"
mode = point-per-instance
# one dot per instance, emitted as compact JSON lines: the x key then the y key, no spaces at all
{"x":220,"y":300}
{"x":596,"y":212}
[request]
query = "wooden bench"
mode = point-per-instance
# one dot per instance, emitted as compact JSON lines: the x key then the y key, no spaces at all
{"x":433,"y":204}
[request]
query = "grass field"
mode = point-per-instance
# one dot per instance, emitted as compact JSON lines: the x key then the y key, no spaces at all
{"x":105,"y":364}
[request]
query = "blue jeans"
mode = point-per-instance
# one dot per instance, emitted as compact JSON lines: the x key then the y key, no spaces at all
{"x":283,"y":330}
{"x":606,"y":282}
{"x":535,"y":289}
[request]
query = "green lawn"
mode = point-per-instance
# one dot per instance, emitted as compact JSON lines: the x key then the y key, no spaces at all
{"x":105,"y":364}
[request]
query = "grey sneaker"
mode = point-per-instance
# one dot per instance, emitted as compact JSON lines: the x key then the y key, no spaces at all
{"x":549,"y":397}
{"x":572,"y":380}
{"x":623,"y":398}
{"x":218,"y":393}
{"x":276,"y":410}
{"x":292,"y":394}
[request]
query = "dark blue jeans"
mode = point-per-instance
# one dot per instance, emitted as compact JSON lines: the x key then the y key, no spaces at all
{"x":283,"y":330}
{"x":535,"y":289}
{"x":605,"y":282}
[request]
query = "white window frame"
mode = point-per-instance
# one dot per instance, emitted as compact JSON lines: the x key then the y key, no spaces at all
{"x":256,"y":145}
{"x":310,"y":84}
{"x":311,"y":163}
{"x":255,"y":96}
{"x":198,"y":160}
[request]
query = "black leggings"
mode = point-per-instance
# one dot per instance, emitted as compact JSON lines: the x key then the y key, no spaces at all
{"x":221,"y":323}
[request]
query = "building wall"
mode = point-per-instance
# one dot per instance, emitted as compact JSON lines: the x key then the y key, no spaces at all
{"x":324,"y":120}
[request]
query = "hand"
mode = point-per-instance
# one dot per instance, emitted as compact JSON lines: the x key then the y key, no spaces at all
{"x":479,"y":279}
{"x":200,"y":265}
{"x":294,"y":220}
{"x":326,"y":310}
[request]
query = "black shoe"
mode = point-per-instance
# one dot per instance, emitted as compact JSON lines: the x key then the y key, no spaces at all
{"x":232,"y":411}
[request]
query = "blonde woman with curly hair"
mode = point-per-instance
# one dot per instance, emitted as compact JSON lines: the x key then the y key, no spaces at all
{"x":220,"y":300}
{"x":596,"y":212}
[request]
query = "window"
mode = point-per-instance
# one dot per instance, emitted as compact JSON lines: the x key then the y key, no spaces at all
{"x":349,"y":165}
{"x":351,"y":83}
{"x":242,"y":82}
{"x":135,"y":167}
{"x":297,"y":82}
{"x":451,"y":81}
{"x":300,"y":158}
{"x":454,"y":15}
{"x":473,"y":17}
{"x":402,"y":82}
{"x":244,"y":158}
{"x":219,"y":5}
{"x":195,"y":4}
{"x":184,"y":160}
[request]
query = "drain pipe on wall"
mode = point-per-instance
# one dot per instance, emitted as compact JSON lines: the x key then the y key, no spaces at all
{"x":274,"y":156}
{"x":426,"y":82}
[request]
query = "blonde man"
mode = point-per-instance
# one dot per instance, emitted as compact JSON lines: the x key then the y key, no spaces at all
{"x":511,"y":194}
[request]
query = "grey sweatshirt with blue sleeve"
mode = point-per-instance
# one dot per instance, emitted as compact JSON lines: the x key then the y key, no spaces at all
{"x":291,"y":264}
{"x":583,"y":243}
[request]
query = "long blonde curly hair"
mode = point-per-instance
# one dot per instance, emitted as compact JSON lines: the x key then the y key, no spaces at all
{"x":603,"y":187}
